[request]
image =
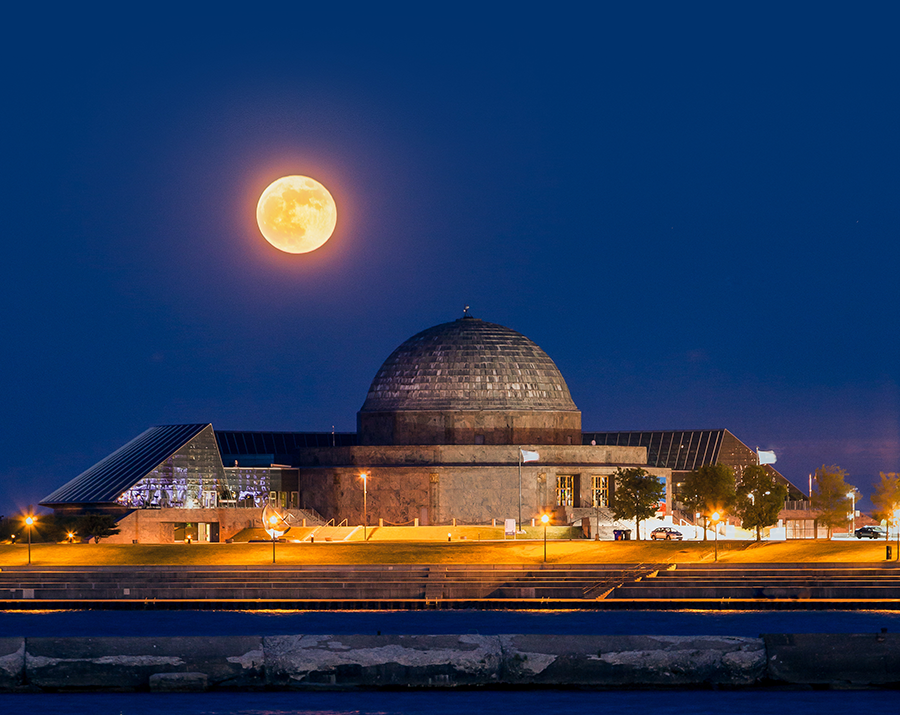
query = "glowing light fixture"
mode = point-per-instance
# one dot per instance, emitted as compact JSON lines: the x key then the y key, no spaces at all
{"x":29,"y":522}
{"x":545,"y":518}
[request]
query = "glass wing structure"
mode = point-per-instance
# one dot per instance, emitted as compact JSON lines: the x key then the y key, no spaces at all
{"x":182,"y":466}
{"x":679,"y":451}
{"x":686,"y":450}
{"x":152,"y":451}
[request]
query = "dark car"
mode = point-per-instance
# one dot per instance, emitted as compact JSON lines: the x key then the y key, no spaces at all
{"x":667,"y":533}
{"x":869,"y":532}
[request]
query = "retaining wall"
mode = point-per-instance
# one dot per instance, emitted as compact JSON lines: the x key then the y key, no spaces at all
{"x":446,"y":661}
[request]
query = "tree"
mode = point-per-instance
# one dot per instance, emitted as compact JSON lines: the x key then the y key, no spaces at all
{"x":759,"y":498}
{"x":707,"y":489}
{"x":636,"y":495}
{"x":886,"y":497}
{"x":830,"y":498}
{"x":97,"y":526}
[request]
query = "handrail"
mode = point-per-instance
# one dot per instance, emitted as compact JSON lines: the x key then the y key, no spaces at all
{"x":355,"y":529}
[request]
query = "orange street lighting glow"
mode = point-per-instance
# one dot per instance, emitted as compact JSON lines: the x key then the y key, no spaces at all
{"x":296,"y":214}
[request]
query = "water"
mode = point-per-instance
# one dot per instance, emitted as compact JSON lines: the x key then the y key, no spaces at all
{"x":263,"y":623}
{"x":655,"y":702}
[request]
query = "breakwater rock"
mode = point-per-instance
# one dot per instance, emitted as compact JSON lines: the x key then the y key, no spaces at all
{"x":444,"y":661}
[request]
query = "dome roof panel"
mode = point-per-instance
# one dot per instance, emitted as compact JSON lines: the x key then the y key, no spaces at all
{"x":468,"y":364}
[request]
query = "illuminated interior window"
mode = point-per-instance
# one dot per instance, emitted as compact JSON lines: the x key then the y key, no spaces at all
{"x":565,"y":490}
{"x":600,"y":490}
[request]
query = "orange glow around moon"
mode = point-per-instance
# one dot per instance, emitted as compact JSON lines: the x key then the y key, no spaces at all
{"x":296,"y":214}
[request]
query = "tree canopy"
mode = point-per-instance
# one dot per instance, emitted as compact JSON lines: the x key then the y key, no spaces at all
{"x":96,"y":526}
{"x":886,"y":497}
{"x":636,"y":495}
{"x":830,"y":496}
{"x":707,"y":489}
{"x":759,"y":499}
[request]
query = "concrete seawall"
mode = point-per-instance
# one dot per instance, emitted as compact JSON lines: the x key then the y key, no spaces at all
{"x":307,"y":662}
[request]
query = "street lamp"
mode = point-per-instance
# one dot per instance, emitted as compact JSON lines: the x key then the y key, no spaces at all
{"x":544,"y":519}
{"x":365,"y":478}
{"x":29,"y":522}
{"x":852,"y":495}
{"x":897,"y":527}
{"x":715,"y":520}
{"x":273,"y":520}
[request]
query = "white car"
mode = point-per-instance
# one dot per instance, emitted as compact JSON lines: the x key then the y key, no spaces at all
{"x":667,"y":533}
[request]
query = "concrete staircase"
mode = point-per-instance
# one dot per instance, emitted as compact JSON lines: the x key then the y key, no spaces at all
{"x":766,"y":581}
{"x":308,"y":583}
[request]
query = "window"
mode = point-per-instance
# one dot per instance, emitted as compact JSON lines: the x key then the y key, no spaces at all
{"x":600,"y":490}
{"x":209,"y":500}
{"x":565,"y":490}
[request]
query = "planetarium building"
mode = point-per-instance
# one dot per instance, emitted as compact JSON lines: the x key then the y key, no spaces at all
{"x":465,"y":422}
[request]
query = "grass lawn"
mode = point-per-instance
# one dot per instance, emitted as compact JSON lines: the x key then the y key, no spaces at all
{"x":468,"y":551}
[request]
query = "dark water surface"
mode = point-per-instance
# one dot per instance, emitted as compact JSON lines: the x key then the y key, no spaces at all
{"x":36,"y":624}
{"x":657,"y":702}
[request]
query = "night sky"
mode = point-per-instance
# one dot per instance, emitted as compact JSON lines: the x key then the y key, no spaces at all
{"x":692,"y":209}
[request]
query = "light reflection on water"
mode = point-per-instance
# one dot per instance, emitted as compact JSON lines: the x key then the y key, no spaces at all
{"x":261,"y":623}
{"x":658,"y":702}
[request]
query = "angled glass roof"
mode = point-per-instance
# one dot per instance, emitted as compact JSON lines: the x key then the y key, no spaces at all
{"x":242,"y":443}
{"x":684,"y":450}
{"x":112,"y":475}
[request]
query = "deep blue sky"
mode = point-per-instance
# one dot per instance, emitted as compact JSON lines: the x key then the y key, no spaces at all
{"x":693,"y":210}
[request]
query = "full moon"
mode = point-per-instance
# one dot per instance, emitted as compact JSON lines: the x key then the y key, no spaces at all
{"x":296,"y":214}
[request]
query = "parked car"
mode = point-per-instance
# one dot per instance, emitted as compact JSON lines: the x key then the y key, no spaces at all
{"x":667,"y":533}
{"x":869,"y":532}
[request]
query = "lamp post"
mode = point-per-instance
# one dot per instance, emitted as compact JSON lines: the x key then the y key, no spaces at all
{"x":273,"y":520}
{"x":544,"y":519}
{"x":715,"y":520}
{"x":29,"y":522}
{"x":852,"y":495}
{"x":897,"y":527}
{"x":365,"y":478}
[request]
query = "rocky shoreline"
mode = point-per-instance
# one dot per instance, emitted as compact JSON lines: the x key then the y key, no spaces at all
{"x":317,"y":662}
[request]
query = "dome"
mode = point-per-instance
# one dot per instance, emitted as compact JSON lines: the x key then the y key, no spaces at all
{"x":468,"y":364}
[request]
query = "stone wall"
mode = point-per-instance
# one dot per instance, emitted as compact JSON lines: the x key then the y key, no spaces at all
{"x":316,"y":662}
{"x":157,"y":526}
{"x":469,"y":427}
{"x":440,"y":483}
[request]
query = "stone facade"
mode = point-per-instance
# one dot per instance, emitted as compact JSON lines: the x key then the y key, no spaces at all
{"x":157,"y":526}
{"x":470,"y":427}
{"x":471,"y":484}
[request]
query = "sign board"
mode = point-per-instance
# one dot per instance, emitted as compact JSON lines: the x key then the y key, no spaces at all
{"x":509,"y":527}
